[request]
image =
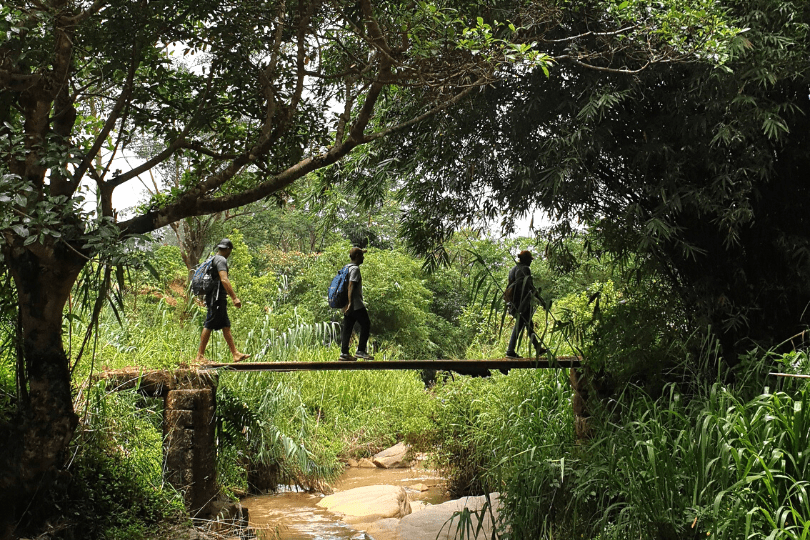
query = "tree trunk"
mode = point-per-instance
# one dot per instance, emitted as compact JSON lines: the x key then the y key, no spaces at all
{"x":35,"y":439}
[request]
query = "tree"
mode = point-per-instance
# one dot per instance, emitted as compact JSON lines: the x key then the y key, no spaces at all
{"x":82,"y":82}
{"x":694,"y":167}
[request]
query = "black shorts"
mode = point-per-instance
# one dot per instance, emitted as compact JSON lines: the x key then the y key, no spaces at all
{"x":217,"y":316}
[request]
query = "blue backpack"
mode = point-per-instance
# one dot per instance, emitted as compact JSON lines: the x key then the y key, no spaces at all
{"x":202,"y":281}
{"x":338,"y":294}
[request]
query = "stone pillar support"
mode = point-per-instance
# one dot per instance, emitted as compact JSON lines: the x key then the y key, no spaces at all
{"x":582,"y":392}
{"x":189,"y":444}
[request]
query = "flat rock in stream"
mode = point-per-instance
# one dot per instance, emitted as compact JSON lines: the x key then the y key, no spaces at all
{"x":433,"y":522}
{"x":392,"y":458}
{"x":368,"y":504}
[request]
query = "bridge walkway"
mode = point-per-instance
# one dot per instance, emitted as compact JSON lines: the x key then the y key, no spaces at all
{"x":460,"y":366}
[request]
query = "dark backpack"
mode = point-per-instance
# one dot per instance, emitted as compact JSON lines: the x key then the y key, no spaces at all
{"x":338,"y":294}
{"x":202,"y":281}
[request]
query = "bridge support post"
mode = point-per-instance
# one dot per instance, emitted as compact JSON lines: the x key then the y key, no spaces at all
{"x":190,"y":445}
{"x":580,"y":382}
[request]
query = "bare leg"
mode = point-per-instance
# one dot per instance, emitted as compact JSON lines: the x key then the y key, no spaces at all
{"x":204,"y":337}
{"x":237,"y":356}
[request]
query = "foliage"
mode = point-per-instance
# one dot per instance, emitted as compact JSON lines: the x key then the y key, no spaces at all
{"x":168,"y":263}
{"x":693,"y":168}
{"x":301,"y":423}
{"x":248,"y":411}
{"x":720,"y":463}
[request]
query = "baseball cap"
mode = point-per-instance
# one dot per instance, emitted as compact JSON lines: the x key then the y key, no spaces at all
{"x":225,"y":244}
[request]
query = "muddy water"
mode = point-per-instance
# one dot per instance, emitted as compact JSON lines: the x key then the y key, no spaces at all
{"x":293,"y":515}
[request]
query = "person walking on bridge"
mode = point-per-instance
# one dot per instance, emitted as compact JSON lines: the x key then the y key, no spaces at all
{"x":521,"y":305}
{"x":355,"y":310}
{"x":217,"y":304}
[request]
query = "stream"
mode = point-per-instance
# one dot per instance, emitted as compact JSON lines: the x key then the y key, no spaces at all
{"x":291,"y":514}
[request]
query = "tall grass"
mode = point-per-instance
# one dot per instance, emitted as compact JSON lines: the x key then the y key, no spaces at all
{"x":305,"y":423}
{"x":716,"y":464}
{"x":482,"y":428}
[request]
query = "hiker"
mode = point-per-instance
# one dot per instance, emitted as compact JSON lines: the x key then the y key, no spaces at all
{"x":355,"y":310}
{"x":521,"y":305}
{"x":217,"y":303}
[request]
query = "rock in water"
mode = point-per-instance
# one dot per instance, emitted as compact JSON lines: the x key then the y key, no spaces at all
{"x":437,"y":522}
{"x":368,"y":504}
{"x":392,"y":458}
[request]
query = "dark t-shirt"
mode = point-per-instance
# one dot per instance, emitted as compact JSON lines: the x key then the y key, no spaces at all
{"x":218,"y":264}
{"x":521,"y":276}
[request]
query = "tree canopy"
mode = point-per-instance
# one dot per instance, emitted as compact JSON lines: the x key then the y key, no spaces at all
{"x":696,"y":166}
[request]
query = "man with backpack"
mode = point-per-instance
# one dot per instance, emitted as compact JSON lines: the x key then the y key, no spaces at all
{"x":520,"y":293}
{"x":355,"y":311}
{"x":216,"y":301}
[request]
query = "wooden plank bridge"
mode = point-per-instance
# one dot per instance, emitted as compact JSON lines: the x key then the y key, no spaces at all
{"x":460,"y":366}
{"x":189,"y":407}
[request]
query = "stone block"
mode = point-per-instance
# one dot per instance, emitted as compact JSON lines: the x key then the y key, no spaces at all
{"x":173,"y":476}
{"x":179,"y":459}
{"x":187,"y":477}
{"x":182,"y":399}
{"x":369,"y":503}
{"x":440,"y":521}
{"x":392,"y":458}
{"x":181,"y":439}
{"x":178,"y":419}
{"x":578,"y":404}
{"x":582,"y":428}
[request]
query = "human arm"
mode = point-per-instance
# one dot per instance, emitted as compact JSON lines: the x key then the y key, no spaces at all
{"x":349,"y":303}
{"x":226,"y":283}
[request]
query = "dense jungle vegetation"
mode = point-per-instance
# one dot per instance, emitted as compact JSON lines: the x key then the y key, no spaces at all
{"x":675,"y":451}
{"x":666,"y":142}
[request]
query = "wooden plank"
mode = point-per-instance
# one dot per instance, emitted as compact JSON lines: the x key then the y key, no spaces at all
{"x":443,"y":365}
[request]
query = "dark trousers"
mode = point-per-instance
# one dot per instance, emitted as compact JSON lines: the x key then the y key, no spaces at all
{"x":351,"y":317}
{"x":523,"y":319}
